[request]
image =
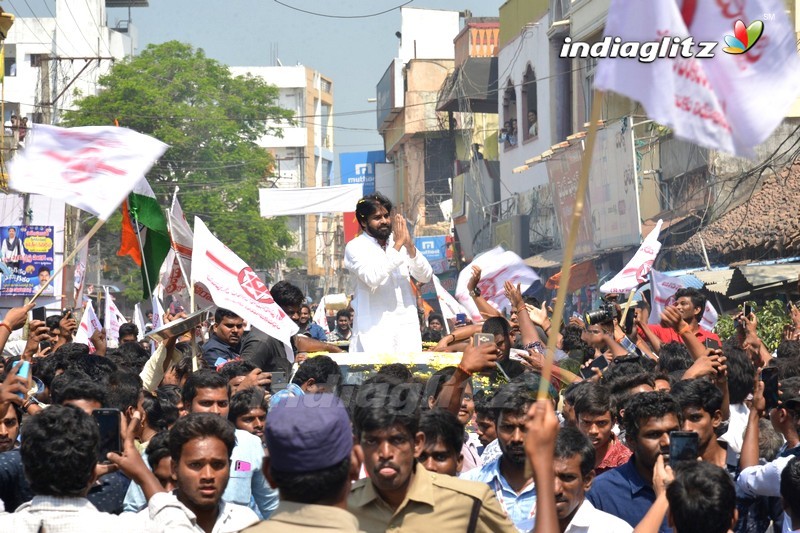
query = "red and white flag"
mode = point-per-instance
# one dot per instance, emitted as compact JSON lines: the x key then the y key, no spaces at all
{"x":497,"y":266}
{"x":321,"y":316}
{"x":80,"y":274}
{"x":636,"y":271}
{"x":114,"y":319}
{"x":731,"y":101}
{"x":449,"y":305}
{"x":663,"y":289}
{"x":89,"y":324}
{"x":93,"y":168}
{"x":235,"y":286}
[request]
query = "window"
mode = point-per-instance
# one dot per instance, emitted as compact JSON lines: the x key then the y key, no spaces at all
{"x":589,"y":68}
{"x":508,"y":133}
{"x":529,"y":105}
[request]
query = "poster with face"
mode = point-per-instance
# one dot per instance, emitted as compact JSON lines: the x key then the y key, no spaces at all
{"x":26,"y":254}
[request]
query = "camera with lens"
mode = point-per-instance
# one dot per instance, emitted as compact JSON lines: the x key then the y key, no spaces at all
{"x":607,"y":312}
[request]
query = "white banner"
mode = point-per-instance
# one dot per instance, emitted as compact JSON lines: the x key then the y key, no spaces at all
{"x":93,"y":168}
{"x":310,"y":200}
{"x":89,"y":324}
{"x":449,"y":305}
{"x":636,"y":271}
{"x":138,"y":319}
{"x":81,"y":261}
{"x":233,"y":285}
{"x":662,"y":291}
{"x":321,"y":316}
{"x":731,"y":101}
{"x":497,"y":266}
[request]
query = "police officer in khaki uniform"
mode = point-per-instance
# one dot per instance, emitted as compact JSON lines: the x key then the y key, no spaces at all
{"x":400,"y":495}
{"x":312,"y":463}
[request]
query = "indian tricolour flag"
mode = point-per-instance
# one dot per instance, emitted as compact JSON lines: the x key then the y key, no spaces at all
{"x":144,"y":233}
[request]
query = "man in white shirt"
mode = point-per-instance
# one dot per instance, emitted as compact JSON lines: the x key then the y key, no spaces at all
{"x":574,"y":461}
{"x":380,"y":261}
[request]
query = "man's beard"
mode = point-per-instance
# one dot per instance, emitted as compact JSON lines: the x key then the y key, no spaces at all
{"x":382,"y":233}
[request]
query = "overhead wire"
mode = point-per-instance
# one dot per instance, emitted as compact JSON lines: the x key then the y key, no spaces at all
{"x":325,"y":15}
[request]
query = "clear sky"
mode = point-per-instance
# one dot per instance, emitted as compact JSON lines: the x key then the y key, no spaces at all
{"x":354,"y":52}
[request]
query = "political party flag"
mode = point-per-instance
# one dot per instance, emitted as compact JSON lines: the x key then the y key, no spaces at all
{"x":449,"y":305}
{"x":730,"y":100}
{"x":497,"y":266}
{"x":181,"y":234}
{"x":114,"y":319}
{"x":92,"y":168}
{"x":158,"y":312}
{"x":636,"y":271}
{"x":79,"y":279}
{"x":321,"y":316}
{"x":233,"y":285}
{"x":144,"y":233}
{"x":663,"y":289}
{"x":89,"y":324}
{"x":138,"y":319}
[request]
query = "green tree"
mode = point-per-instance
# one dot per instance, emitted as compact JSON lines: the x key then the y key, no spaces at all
{"x":772,"y":317}
{"x":211,"y":121}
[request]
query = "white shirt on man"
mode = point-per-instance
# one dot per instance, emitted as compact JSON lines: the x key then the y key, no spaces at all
{"x":588,"y":519}
{"x":385,"y":307}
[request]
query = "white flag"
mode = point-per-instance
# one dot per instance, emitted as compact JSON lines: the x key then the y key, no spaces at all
{"x":138,"y":319}
{"x":93,"y":168}
{"x":114,"y":319}
{"x":89,"y":324}
{"x":80,"y":274}
{"x":158,"y":312}
{"x":233,"y":285}
{"x":636,"y":271}
{"x":731,"y":101}
{"x":321,"y":316}
{"x":449,"y":305}
{"x":497,"y":266}
{"x":662,"y":291}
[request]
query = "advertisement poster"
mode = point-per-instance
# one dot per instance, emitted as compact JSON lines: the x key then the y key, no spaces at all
{"x":26,"y":253}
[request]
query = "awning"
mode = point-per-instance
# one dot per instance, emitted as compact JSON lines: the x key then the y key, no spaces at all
{"x":581,"y":275}
{"x":716,"y":280}
{"x":750,"y":278}
{"x":474,"y":81}
{"x":548,"y":259}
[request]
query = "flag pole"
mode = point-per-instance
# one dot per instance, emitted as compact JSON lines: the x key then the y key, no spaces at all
{"x":172,"y":244}
{"x":569,"y":247}
{"x":70,"y":257}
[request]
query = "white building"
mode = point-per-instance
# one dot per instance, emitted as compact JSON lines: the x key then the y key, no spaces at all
{"x":304,"y":158}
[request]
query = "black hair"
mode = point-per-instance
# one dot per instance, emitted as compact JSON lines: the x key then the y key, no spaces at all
{"x":43,"y":269}
{"x":285,"y":294}
{"x":382,"y":404}
{"x":202,"y":379}
{"x":59,"y":451}
{"x":572,"y":343}
{"x":97,"y":368}
{"x":788,"y":349}
{"x":234,"y":369}
{"x":646,"y":405}
{"x":440,"y":424}
{"x":433,"y":387}
{"x":221,"y":313}
{"x":788,"y":367}
{"x":342,"y":312}
{"x":698,"y":393}
{"x":398,"y":370}
{"x":130,"y":355}
{"x":483,"y":405}
{"x":322,"y":369}
{"x":436,"y":316}
{"x":73,"y":385}
{"x":594,"y":400}
{"x":53,"y":322}
{"x":72,"y":350}
{"x":369,"y":204}
{"x":741,"y":371}
{"x":575,"y":391}
{"x":245,"y":400}
{"x":128,"y":328}
{"x":790,"y":486}
{"x":46,"y":368}
{"x":702,"y":498}
{"x":697,"y":297}
{"x":430,"y":335}
{"x":496,"y":325}
{"x":571,"y":442}
{"x":514,"y":398}
{"x":621,"y":385}
{"x":184,"y":367}
{"x":198,"y":426}
{"x":157,"y":449}
{"x":124,"y":388}
{"x":316,"y":486}
{"x":161,"y":413}
{"x":170,"y":394}
{"x":673,"y":357}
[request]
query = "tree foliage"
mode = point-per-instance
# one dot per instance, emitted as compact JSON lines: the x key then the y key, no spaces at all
{"x":771,"y":318}
{"x":211,"y":121}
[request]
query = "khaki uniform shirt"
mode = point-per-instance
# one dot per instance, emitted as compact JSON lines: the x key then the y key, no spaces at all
{"x":434,"y":503}
{"x":302,"y":517}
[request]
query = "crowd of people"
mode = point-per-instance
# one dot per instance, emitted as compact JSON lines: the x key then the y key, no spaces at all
{"x":229,"y":431}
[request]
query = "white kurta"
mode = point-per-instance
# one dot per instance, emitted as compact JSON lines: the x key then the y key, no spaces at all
{"x":385,"y":306}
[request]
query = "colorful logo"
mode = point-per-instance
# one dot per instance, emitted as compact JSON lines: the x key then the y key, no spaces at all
{"x":743,"y":38}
